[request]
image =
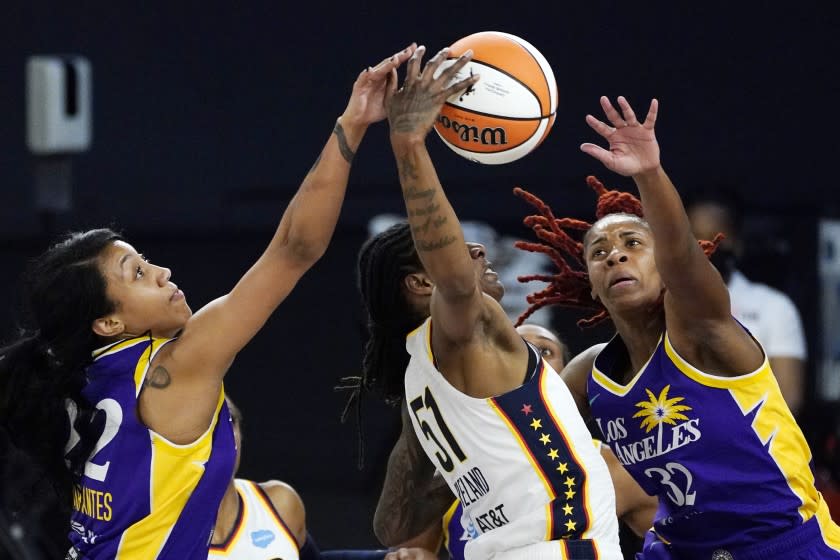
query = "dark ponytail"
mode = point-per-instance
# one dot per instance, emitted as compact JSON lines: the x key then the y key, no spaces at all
{"x":42,"y":372}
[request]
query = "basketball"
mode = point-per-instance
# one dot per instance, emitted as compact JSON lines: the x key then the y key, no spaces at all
{"x":510,"y":110}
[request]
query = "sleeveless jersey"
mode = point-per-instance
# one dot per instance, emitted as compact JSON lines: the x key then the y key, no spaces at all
{"x":141,"y":496}
{"x":724,"y":455}
{"x":522,"y":464}
{"x":259,"y":533}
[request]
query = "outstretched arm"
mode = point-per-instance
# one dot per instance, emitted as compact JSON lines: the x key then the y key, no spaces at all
{"x":633,"y":151}
{"x":437,"y":233}
{"x":696,"y":301}
{"x":197,"y":362}
{"x":412,"y":497}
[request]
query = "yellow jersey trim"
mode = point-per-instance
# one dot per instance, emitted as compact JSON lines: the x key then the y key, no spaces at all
{"x":175,"y":472}
{"x":717,"y":381}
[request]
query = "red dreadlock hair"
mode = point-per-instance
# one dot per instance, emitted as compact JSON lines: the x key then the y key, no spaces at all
{"x":569,"y":286}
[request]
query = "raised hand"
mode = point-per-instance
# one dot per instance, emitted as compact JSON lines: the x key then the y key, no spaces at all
{"x":633,"y":147}
{"x":413,"y":108}
{"x":367,"y":102}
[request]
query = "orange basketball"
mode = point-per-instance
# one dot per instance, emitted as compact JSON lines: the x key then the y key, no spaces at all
{"x":510,"y":110}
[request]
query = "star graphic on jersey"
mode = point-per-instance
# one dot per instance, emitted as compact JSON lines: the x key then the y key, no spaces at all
{"x":569,"y":482}
{"x":545,"y":438}
{"x":570,"y":494}
{"x":570,"y":525}
{"x":553,"y":454}
{"x":563,"y":467}
{"x":526,"y":409}
{"x":567,"y":509}
{"x":536,"y":423}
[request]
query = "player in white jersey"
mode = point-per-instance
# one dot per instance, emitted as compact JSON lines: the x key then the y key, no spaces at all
{"x":257,"y":520}
{"x":498,"y":424}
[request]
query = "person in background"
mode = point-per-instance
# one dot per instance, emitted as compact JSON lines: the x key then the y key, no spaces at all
{"x":769,"y":314}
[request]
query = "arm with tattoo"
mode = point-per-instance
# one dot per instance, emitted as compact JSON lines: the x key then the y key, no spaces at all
{"x":412,"y":496}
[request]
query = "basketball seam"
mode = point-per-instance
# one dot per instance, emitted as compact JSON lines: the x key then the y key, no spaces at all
{"x":501,"y":117}
{"x":520,"y":82}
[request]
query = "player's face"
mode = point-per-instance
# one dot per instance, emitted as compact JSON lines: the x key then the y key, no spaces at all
{"x":487,"y":277}
{"x":622,"y":270}
{"x":145,"y":299}
{"x":546,"y":342}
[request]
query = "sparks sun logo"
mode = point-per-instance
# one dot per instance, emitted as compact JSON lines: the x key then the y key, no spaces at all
{"x":661,"y":410}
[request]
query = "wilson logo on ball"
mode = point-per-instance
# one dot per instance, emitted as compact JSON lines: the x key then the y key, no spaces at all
{"x":469,"y":133}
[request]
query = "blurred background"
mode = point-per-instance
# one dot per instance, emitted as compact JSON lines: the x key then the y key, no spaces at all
{"x":206,"y":117}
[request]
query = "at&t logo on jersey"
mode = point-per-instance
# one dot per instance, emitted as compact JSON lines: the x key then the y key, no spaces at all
{"x":674,"y":429}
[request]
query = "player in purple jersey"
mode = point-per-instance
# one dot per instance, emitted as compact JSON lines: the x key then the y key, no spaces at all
{"x":148,"y":450}
{"x":683,"y":394}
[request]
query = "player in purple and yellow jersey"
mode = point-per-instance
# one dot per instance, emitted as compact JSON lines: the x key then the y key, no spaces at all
{"x":148,"y":447}
{"x":683,"y":394}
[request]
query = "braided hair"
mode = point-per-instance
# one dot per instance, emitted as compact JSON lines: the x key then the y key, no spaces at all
{"x":570,"y":286}
{"x":384,"y":261}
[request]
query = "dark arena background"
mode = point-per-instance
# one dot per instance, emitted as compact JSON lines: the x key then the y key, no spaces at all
{"x":206,"y":117}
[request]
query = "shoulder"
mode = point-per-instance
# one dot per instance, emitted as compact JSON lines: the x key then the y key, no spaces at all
{"x":577,"y":371}
{"x":289,"y":505}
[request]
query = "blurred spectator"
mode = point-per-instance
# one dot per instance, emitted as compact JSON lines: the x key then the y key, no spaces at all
{"x":769,"y":314}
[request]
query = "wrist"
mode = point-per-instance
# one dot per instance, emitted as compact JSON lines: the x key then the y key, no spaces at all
{"x":406,"y":140}
{"x":647,"y":176}
{"x":354,"y":128}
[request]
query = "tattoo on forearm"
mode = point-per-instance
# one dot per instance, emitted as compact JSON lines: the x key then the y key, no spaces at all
{"x":412,"y":497}
{"x":406,"y":169}
{"x":413,"y":193}
{"x":444,"y":241}
{"x":425,"y":211}
{"x":343,"y":146}
{"x":422,"y":228}
{"x":159,"y":378}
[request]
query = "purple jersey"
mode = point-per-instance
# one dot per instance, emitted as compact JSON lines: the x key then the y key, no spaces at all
{"x":455,"y":536}
{"x":724,"y":455}
{"x":142,"y":496}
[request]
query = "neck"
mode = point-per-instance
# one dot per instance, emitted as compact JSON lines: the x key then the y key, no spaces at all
{"x":640,"y":335}
{"x":227,"y":514}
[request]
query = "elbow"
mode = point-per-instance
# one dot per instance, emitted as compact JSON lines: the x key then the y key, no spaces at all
{"x":305,"y":252}
{"x":385,"y":534}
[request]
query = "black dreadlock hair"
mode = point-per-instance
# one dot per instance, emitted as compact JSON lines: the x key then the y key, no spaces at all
{"x":384,"y":261}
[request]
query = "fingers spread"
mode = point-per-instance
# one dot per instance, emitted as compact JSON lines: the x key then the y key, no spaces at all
{"x":597,"y":152}
{"x":599,"y":126}
{"x":611,"y":113}
{"x":413,"y":68}
{"x":460,"y":86}
{"x":627,"y":111}
{"x":650,"y":119}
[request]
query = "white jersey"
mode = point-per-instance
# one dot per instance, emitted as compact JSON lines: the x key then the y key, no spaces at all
{"x":522,"y":463}
{"x":258,"y":533}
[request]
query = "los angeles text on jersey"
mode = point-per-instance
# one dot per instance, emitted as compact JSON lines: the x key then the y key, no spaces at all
{"x":666,"y":438}
{"x":93,"y":503}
